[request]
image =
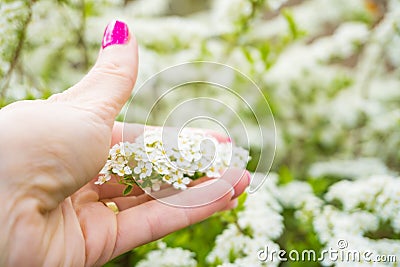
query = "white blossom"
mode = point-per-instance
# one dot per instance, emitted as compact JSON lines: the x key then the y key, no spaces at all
{"x":352,"y":169}
{"x":168,"y":257}
{"x":181,"y":183}
{"x":144,"y":169}
{"x":155,"y":158}
{"x":103,"y":178}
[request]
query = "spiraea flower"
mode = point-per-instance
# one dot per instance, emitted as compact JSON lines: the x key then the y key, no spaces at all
{"x":143,"y":169}
{"x":158,"y":157}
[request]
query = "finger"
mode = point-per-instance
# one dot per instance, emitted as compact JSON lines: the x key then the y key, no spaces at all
{"x":137,"y":197}
{"x":126,"y":132}
{"x":232,"y":176}
{"x":232,"y":204}
{"x":124,"y":203}
{"x":113,"y":189}
{"x":109,"y":83}
{"x":237,"y":177}
{"x":157,"y":219}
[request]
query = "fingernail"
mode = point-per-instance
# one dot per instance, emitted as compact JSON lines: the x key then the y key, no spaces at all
{"x":248,"y":175}
{"x":234,"y":203}
{"x":116,"y":32}
{"x":229,"y":140}
{"x":232,"y":192}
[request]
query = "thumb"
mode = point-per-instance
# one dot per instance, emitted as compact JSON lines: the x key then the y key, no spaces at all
{"x":109,"y":83}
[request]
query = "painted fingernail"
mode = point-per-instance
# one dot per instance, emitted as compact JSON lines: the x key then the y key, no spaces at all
{"x":116,"y":32}
{"x":232,"y":192}
{"x":234,"y":203}
{"x":248,"y":175}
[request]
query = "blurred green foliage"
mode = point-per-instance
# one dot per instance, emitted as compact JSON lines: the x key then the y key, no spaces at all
{"x":41,"y":55}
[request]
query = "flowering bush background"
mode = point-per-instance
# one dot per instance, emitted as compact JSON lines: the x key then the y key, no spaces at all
{"x":330,"y":71}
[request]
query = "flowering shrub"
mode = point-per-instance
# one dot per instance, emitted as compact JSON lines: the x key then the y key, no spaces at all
{"x":330,"y":71}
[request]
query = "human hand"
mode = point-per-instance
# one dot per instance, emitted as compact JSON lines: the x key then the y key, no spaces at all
{"x":51,"y":152}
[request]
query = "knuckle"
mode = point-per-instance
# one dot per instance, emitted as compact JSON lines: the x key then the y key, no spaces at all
{"x":121,"y":72}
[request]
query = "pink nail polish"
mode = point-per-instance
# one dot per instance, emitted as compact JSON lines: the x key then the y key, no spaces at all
{"x":117,"y":32}
{"x":234,"y":203}
{"x":248,"y":175}
{"x":232,"y":192}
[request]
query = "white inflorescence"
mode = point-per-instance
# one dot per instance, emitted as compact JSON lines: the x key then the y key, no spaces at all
{"x":262,"y":218}
{"x":168,"y":257}
{"x":155,"y":159}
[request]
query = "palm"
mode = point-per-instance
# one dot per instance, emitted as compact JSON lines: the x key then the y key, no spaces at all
{"x":67,"y":226}
{"x":74,"y":145}
{"x":50,"y":153}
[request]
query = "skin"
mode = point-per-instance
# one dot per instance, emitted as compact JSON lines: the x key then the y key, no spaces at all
{"x":51,"y":152}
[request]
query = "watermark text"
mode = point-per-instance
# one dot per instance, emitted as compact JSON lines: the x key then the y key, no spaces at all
{"x":339,"y":254}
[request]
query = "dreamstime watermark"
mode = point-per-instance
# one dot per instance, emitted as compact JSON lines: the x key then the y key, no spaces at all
{"x":339,"y":254}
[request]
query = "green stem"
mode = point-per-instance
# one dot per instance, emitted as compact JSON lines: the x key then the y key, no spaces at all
{"x":17,"y":52}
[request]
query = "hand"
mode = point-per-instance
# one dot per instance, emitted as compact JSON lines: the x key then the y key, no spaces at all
{"x":51,"y":152}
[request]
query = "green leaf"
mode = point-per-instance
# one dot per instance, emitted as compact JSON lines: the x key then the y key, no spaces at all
{"x":294,"y":29}
{"x":285,"y":175}
{"x":128,"y":190}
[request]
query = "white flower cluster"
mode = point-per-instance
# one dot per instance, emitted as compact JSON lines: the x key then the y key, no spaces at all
{"x":147,"y":8}
{"x":379,"y":194}
{"x":332,"y":225}
{"x":263,"y":206}
{"x":228,"y":14}
{"x":168,"y":257}
{"x":366,"y":204}
{"x":261,"y":218}
{"x":350,"y":169}
{"x":159,"y":157}
{"x":300,"y":196}
{"x":242,"y":247}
